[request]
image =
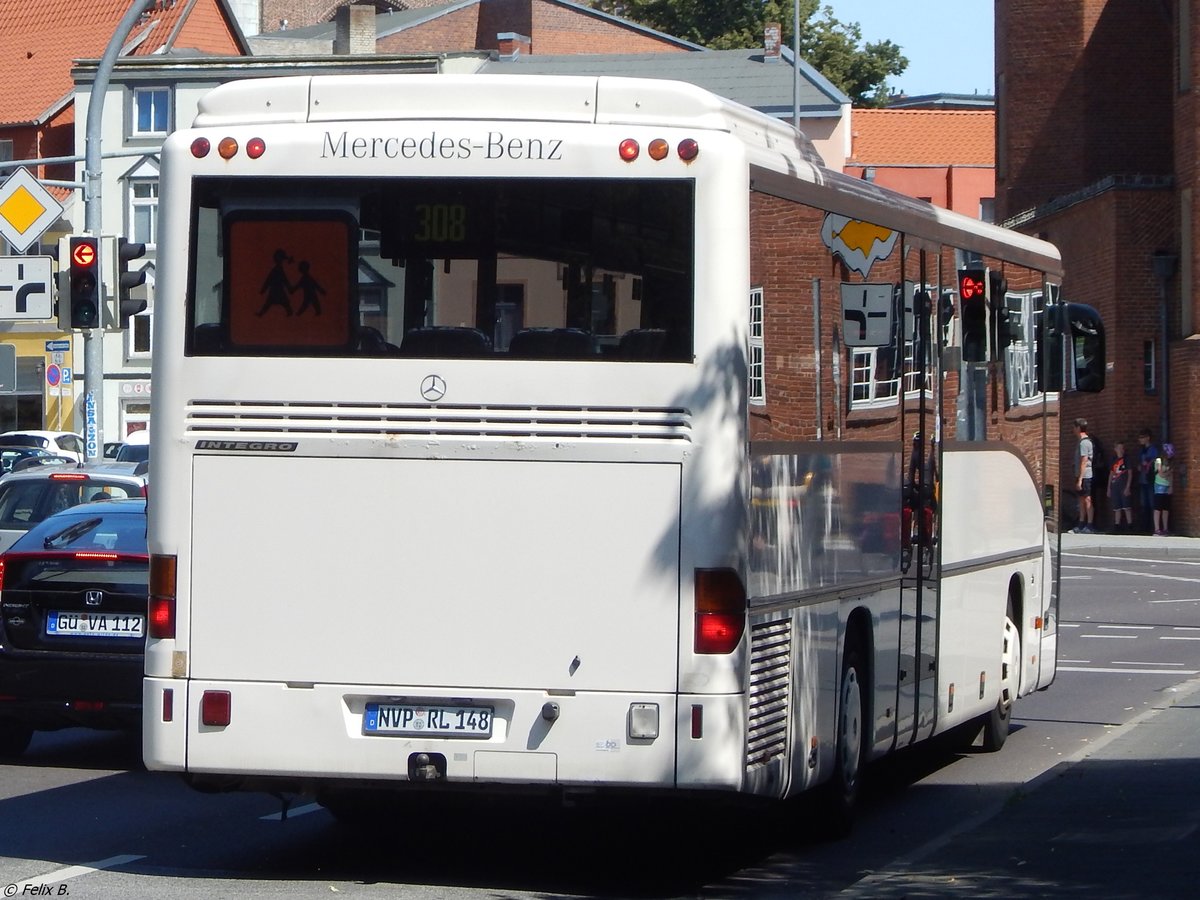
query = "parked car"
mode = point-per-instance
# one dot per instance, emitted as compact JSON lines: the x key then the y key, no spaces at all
{"x":62,"y":443}
{"x":134,"y":453}
{"x":30,"y":495}
{"x":73,"y":597}
{"x":10,"y":456}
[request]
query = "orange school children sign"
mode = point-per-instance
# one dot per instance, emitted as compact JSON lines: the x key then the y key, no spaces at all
{"x":290,"y":282}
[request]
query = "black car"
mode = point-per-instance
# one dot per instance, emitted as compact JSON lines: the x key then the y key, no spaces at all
{"x":12,"y":455}
{"x":73,"y":598}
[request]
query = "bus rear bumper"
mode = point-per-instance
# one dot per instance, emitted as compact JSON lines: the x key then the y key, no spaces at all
{"x":308,"y":735}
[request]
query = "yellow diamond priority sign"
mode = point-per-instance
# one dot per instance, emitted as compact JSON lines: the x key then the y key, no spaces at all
{"x":26,"y":210}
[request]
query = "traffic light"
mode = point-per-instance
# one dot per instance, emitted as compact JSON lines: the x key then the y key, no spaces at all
{"x":973,"y":304}
{"x":81,"y":306}
{"x":128,"y":306}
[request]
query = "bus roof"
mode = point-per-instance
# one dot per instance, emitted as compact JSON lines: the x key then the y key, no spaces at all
{"x":784,"y":159}
{"x":603,"y":100}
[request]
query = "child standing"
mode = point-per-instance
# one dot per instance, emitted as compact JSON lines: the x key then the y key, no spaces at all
{"x":1120,"y":489}
{"x":1164,"y":486}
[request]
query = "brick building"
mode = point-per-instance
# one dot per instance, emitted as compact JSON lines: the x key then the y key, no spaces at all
{"x":1096,"y":111}
{"x":945,"y":156}
{"x":524,"y":27}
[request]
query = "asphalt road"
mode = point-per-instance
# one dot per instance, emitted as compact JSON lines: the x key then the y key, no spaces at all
{"x":79,"y":817}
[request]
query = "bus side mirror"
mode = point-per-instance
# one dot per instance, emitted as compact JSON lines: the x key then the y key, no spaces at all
{"x":1076,"y":349}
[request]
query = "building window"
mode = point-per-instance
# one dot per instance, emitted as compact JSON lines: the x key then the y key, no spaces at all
{"x":151,"y":111}
{"x":139,"y":335}
{"x":1149,"y":368}
{"x":757,"y":381}
{"x":987,"y":209}
{"x":6,"y":152}
{"x":143,"y":211}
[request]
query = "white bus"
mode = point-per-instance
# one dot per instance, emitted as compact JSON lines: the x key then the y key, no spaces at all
{"x":568,"y":435}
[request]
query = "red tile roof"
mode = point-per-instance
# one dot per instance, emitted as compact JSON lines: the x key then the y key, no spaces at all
{"x":922,"y":137}
{"x":43,"y":38}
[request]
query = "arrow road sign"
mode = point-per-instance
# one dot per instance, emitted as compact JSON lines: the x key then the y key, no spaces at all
{"x":26,"y":290}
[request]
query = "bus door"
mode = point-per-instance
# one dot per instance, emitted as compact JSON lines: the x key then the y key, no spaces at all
{"x":920,"y":517}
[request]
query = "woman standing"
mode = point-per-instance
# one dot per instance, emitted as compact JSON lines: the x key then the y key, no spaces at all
{"x":1164,"y":485}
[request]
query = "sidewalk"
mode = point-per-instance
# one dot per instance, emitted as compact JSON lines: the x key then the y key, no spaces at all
{"x":1121,"y":819}
{"x":1171,"y":544}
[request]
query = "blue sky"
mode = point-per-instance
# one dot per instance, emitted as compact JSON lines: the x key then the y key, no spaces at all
{"x":949,"y":43}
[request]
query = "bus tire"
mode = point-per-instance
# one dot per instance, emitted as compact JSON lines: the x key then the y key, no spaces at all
{"x":996,"y":723}
{"x":849,"y":744}
{"x":14,"y":737}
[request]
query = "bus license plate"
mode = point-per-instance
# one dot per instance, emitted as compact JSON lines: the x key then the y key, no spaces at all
{"x":114,"y":625}
{"x":428,"y":721}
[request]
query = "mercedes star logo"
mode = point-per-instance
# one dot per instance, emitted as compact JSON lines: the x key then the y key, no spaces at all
{"x":433,"y":388}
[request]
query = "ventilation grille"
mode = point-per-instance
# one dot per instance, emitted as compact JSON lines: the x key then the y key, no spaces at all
{"x":770,"y":677}
{"x":296,"y":420}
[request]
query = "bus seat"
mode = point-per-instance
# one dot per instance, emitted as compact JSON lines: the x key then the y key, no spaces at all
{"x":643,"y":344}
{"x":372,"y":342}
{"x":209,"y":338}
{"x":450,"y":342}
{"x":552,"y":343}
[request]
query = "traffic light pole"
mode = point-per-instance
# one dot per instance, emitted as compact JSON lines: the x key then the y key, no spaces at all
{"x":93,"y":338}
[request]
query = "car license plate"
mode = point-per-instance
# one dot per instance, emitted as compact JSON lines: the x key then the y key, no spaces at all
{"x":428,"y":721}
{"x":114,"y":625}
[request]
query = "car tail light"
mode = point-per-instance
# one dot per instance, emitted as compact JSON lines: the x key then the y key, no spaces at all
{"x":162,"y":596}
{"x":215,"y":708}
{"x":68,"y":476}
{"x":1,"y":573}
{"x":87,"y":705}
{"x":720,"y":610}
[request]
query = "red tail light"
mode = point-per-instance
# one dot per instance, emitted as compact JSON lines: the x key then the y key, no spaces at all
{"x":162,"y":596}
{"x":162,"y":617}
{"x":216,"y":708}
{"x":720,"y":610}
{"x":1,"y":573}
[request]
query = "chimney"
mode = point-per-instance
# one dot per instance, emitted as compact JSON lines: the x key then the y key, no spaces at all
{"x":772,"y":42}
{"x":511,"y":45}
{"x":355,"y":34}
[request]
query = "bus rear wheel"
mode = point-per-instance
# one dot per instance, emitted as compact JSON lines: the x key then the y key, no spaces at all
{"x":996,"y":724}
{"x":849,"y":749}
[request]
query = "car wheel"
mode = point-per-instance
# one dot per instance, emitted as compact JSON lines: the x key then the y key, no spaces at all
{"x":995,"y":726}
{"x":14,"y":737}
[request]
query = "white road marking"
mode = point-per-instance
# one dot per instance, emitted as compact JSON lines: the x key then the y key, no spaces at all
{"x":74,"y":872}
{"x":1195,"y":600}
{"x":1130,"y":627}
{"x":1189,"y":579}
{"x":1124,"y":662}
{"x":1103,"y":669}
{"x":1129,"y":559}
{"x":1178,"y":637}
{"x":1112,"y":637}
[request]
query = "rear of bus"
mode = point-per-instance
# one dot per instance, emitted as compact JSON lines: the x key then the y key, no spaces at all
{"x":448,"y":438}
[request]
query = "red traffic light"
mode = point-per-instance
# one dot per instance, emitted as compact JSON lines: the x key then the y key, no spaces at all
{"x":972,"y":285}
{"x":83,"y":252}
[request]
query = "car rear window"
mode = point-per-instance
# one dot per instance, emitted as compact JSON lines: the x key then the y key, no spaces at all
{"x":25,"y":503}
{"x":89,"y":528}
{"x":23,"y":440}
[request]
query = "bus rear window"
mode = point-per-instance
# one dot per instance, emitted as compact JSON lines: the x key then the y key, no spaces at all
{"x":579,"y":269}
